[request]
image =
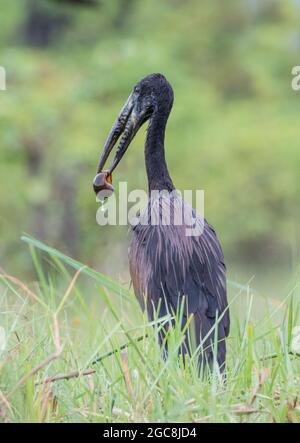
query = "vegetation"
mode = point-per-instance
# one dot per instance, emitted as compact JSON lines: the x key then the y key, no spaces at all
{"x":67,"y":360}
{"x":233,"y":131}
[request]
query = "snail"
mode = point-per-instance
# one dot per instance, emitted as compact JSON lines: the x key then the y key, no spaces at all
{"x":103,"y":183}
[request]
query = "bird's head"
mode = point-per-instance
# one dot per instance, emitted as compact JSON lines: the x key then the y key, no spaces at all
{"x":150,"y":95}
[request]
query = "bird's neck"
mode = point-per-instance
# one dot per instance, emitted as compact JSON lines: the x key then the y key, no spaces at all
{"x":156,"y":166}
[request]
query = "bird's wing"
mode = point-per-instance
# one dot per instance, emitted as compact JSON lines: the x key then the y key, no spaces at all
{"x":163,"y":266}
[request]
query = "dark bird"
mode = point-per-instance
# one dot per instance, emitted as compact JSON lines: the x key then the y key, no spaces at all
{"x":166,"y":264}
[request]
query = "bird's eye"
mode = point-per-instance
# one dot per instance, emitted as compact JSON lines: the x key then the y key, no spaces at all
{"x":137,"y":89}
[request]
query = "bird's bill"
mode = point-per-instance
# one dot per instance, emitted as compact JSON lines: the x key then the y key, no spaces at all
{"x":127,"y":125}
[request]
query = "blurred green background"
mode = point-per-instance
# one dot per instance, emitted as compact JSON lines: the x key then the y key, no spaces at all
{"x":234,"y":129}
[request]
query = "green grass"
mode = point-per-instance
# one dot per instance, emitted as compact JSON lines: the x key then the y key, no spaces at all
{"x":76,"y":321}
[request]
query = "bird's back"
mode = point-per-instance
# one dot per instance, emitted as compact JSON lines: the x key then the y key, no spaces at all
{"x":167,"y":262}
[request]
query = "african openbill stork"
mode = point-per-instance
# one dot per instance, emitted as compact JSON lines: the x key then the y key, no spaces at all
{"x":165,"y":263}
